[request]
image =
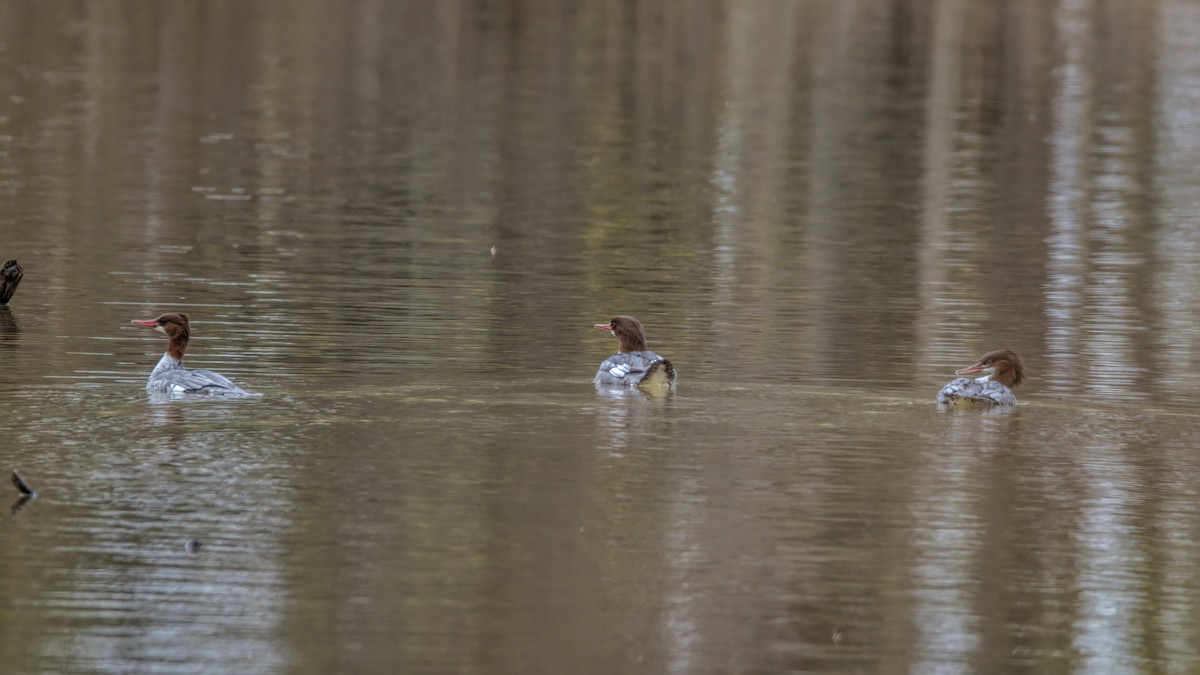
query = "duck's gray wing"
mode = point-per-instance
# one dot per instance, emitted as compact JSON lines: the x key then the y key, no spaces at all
{"x":986,"y":393}
{"x":200,"y":381}
{"x":621,"y":369}
{"x":633,"y":368}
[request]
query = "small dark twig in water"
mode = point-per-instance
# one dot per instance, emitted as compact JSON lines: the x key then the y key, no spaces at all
{"x":193,"y":545}
{"x":10,"y":276}
{"x":22,"y":485}
{"x":27,"y":494}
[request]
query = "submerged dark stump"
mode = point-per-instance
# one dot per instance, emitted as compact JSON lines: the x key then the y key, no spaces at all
{"x":10,"y":276}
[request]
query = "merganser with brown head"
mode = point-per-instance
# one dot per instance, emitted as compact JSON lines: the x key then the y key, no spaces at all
{"x":169,"y":376}
{"x":1002,"y":370}
{"x":633,"y":363}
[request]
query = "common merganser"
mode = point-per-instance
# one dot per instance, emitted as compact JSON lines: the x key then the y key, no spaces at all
{"x":633,"y":363}
{"x":169,"y":376}
{"x":1002,"y":369}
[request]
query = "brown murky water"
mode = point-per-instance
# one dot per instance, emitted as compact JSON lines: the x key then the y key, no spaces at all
{"x":819,"y":209}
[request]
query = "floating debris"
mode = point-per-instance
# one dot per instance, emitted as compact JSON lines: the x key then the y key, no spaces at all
{"x":22,"y":485}
{"x":27,"y":494}
{"x":193,"y":545}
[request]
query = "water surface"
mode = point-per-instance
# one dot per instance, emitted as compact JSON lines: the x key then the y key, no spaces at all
{"x":398,"y":222}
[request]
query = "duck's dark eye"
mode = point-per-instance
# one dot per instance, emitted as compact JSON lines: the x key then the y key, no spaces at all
{"x":161,"y":321}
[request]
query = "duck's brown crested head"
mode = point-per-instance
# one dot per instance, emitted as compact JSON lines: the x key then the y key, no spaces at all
{"x":175,"y":326}
{"x":629,"y":331}
{"x":1003,"y":365}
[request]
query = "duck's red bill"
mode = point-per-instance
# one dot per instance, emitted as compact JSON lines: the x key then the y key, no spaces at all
{"x":603,"y":326}
{"x":151,"y":323}
{"x":977,"y":368}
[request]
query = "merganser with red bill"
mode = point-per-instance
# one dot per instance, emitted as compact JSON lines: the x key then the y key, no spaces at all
{"x":1002,"y":371}
{"x":633,"y":364}
{"x":169,"y":376}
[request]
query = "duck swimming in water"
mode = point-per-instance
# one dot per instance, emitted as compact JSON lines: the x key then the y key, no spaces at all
{"x":633,"y":364}
{"x":169,"y":376}
{"x":1002,"y":371}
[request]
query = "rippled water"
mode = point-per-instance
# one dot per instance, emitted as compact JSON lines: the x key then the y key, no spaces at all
{"x":398,"y":221}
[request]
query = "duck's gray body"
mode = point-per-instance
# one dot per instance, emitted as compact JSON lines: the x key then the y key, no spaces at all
{"x":170,"y":377}
{"x":633,"y":368}
{"x":980,"y":391}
